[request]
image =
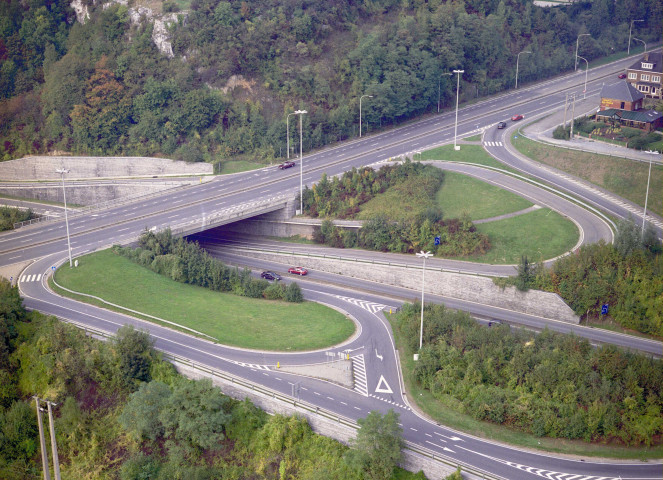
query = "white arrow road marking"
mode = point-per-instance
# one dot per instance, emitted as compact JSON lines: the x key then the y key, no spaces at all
{"x":441,"y":447}
{"x":378,"y":355}
{"x":372,"y":307}
{"x":380,"y":388}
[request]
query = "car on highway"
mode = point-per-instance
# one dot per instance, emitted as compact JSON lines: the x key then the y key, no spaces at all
{"x":621,"y":75}
{"x":515,"y":118}
{"x":270,"y":276}
{"x":501,"y":125}
{"x":297,"y":270}
{"x":285,"y":165}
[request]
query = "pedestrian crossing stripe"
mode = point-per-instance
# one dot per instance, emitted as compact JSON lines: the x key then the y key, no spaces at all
{"x":493,"y":144}
{"x":359,"y":374}
{"x":250,"y":365}
{"x":31,"y":278}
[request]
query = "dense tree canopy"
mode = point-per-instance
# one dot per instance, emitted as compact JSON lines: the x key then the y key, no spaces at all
{"x":103,"y":87}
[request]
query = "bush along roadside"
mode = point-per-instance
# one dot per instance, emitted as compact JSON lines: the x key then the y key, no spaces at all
{"x":186,"y":262}
{"x":546,"y":384}
{"x":414,"y":228}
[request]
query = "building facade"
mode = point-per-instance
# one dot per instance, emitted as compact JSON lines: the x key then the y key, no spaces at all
{"x":646,"y":74}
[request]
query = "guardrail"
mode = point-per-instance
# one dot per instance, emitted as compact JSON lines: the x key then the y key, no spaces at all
{"x":290,"y":401}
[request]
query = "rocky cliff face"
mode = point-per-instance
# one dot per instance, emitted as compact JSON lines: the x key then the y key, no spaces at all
{"x":138,"y":15}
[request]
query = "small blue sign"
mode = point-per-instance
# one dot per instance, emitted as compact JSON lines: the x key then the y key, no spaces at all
{"x":53,"y":268}
{"x":604,"y":309}
{"x":437,"y":240}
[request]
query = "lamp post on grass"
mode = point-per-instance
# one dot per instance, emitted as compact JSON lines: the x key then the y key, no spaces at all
{"x":301,"y":162}
{"x":458,"y":72}
{"x":578,"y":40}
{"x":287,"y":130}
{"x":62,"y":171}
{"x":584,"y":92}
{"x":423,"y":255}
{"x":644,"y":212}
{"x":360,"y":98}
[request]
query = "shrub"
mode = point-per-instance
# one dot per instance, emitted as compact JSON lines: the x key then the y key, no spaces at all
{"x":293,"y":293}
{"x":276,"y":291}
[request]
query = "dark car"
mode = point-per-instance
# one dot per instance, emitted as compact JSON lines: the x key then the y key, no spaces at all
{"x":270,"y":276}
{"x":621,"y":75}
{"x":494,"y":323}
{"x":501,"y":125}
{"x":515,"y":118}
{"x":285,"y":165}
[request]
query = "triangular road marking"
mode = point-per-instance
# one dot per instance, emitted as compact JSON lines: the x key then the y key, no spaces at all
{"x":380,"y":388}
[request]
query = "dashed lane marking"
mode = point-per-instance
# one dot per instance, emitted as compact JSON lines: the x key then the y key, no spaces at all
{"x":250,"y":365}
{"x":31,"y":278}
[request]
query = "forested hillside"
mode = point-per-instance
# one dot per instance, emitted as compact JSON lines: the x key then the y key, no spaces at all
{"x":104,"y":88}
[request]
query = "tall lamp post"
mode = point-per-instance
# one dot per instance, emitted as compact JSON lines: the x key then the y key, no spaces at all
{"x":643,"y":42}
{"x":578,"y":40}
{"x":287,"y":132}
{"x":584,"y":92}
{"x":423,"y":255}
{"x":62,"y":171}
{"x":438,"y":89}
{"x":518,"y":61}
{"x":629,"y":35}
{"x":458,"y":72}
{"x":360,"y":98}
{"x":301,"y":162}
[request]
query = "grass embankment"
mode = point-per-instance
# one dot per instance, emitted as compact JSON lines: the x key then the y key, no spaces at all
{"x":540,"y":234}
{"x":464,"y":194}
{"x":468,"y":154}
{"x":236,"y":166}
{"x":446,"y":414}
{"x":230,"y":319}
{"x":626,"y":178}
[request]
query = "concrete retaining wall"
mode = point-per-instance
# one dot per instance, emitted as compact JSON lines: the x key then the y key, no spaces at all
{"x":464,"y":287}
{"x":88,"y":194}
{"x":44,"y":167}
{"x":320,"y":425}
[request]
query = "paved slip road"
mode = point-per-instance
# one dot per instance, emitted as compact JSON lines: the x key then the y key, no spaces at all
{"x":122,"y":224}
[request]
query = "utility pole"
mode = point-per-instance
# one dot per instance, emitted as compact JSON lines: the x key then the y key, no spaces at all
{"x":566,"y":102}
{"x":54,"y":445}
{"x":42,"y":442}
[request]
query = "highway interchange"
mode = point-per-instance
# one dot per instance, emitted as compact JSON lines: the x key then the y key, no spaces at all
{"x":372,"y":350}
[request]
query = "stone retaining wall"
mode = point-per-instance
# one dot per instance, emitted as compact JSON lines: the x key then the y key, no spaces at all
{"x":44,"y":167}
{"x":471,"y":288}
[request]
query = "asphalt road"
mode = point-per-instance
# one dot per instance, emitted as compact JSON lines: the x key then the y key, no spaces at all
{"x":46,"y":244}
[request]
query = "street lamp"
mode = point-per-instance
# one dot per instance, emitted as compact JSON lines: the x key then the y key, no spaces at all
{"x":438,"y":89}
{"x":644,"y":212}
{"x":584,"y":92}
{"x":645,"y":43}
{"x":369,"y":96}
{"x":301,"y":162}
{"x":577,"y":40}
{"x":457,"y":147}
{"x":287,"y":134}
{"x":517,"y":61}
{"x":423,"y":255}
{"x":629,"y":35}
{"x":62,"y":171}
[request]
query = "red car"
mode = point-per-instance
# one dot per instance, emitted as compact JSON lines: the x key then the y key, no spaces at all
{"x":285,"y":165}
{"x":621,"y":75}
{"x":515,"y":118}
{"x":298,"y":270}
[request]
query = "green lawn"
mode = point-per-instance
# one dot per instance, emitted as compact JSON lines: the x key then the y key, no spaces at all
{"x":541,"y":235}
{"x":230,"y":319}
{"x":467,"y":153}
{"x":626,"y":178}
{"x":236,"y":166}
{"x":464,"y":194}
{"x":402,"y":201}
{"x":447,"y":413}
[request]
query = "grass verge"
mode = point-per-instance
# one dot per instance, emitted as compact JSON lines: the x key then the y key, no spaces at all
{"x":236,"y":166}
{"x":468,"y":153}
{"x":541,"y":234}
{"x":230,"y":319}
{"x":485,"y":201}
{"x":448,"y":413}
{"x":626,"y":178}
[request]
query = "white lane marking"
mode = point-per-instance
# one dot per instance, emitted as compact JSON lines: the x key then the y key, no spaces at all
{"x":359,"y":374}
{"x":372,"y":307}
{"x":383,"y":386}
